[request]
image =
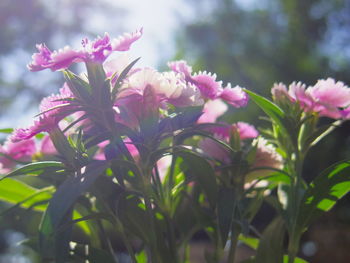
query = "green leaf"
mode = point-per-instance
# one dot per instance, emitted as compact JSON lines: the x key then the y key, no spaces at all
{"x":203,"y":173}
{"x":323,"y":192}
{"x":133,"y":216}
{"x":225,"y":207}
{"x":181,"y":120}
{"x":6,"y":130}
{"x":271,"y":243}
{"x":61,"y":203}
{"x":23,"y":195}
{"x":36,"y":169}
{"x":249,"y":241}
{"x":141,"y":257}
{"x":79,"y":87}
{"x":296,"y":260}
{"x":95,"y":255}
{"x":271,"y":109}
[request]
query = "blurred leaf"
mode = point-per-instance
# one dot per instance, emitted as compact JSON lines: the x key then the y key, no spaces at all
{"x":133,"y":216}
{"x":249,"y":241}
{"x":36,"y":169}
{"x":62,"y":201}
{"x":6,"y":130}
{"x":23,"y":195}
{"x":141,"y":257}
{"x":203,"y":173}
{"x":323,"y":192}
{"x":225,"y":209}
{"x":271,"y":243}
{"x":296,"y":260}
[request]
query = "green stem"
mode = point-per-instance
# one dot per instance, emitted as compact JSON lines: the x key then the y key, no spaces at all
{"x":171,"y":239}
{"x":233,"y":246}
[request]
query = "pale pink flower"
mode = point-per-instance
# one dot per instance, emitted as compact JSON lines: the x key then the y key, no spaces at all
{"x":15,"y":151}
{"x":266,"y":156}
{"x":212,"y":110}
{"x":92,"y":51}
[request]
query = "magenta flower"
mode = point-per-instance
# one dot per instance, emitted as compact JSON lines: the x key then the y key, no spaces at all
{"x":11,"y":152}
{"x":92,"y":51}
{"x":53,"y":109}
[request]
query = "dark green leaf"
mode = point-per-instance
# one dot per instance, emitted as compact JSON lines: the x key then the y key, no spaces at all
{"x":271,"y":243}
{"x":62,"y":201}
{"x":225,"y":207}
{"x":203,"y":173}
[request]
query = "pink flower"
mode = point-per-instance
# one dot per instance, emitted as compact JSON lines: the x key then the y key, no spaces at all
{"x":234,"y":96}
{"x":212,"y":110}
{"x":209,"y":87}
{"x":330,"y":97}
{"x":266,"y":156}
{"x":51,"y":114}
{"x":15,"y":151}
{"x":47,"y":147}
{"x":218,"y":152}
{"x":327,"y":97}
{"x":215,"y":150}
{"x":92,"y":51}
{"x":246,"y":131}
{"x":145,"y":91}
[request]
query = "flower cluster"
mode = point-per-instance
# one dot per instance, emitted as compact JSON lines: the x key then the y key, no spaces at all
{"x":144,"y":92}
{"x":327,"y":97}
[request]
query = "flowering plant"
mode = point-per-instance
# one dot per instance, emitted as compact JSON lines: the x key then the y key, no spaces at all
{"x":132,"y":161}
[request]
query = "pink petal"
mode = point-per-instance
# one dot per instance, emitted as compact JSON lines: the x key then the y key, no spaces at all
{"x":207,"y":84}
{"x":181,"y":66}
{"x":330,"y":93}
{"x":212,"y":110}
{"x":124,"y":42}
{"x":235,"y":96}
{"x":246,"y":131}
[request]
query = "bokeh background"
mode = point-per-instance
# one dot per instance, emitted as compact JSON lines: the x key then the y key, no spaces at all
{"x":251,"y":43}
